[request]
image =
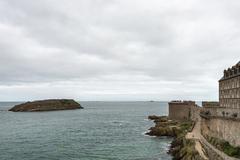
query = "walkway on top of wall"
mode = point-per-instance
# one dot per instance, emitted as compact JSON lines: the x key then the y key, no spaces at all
{"x":195,"y":135}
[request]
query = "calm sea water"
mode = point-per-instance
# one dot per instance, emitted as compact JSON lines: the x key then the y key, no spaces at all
{"x":101,"y":131}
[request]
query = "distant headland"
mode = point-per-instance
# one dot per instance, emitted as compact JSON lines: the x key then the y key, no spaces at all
{"x":47,"y":105}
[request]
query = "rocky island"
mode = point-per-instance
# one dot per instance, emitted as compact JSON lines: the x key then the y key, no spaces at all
{"x":47,"y":105}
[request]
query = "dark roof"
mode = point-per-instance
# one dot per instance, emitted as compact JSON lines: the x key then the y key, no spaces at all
{"x":227,"y":72}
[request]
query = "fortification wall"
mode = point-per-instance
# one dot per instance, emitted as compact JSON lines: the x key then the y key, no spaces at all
{"x":224,"y":128}
{"x":195,"y":111}
{"x":183,"y":110}
{"x":179,"y":111}
{"x":214,"y":109}
{"x":212,"y":152}
{"x":223,"y":112}
{"x":210,"y":104}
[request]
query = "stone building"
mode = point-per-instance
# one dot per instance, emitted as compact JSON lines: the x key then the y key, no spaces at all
{"x":222,"y":120}
{"x":229,"y":88}
{"x":183,"y":110}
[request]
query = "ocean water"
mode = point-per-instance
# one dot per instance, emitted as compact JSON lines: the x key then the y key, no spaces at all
{"x":101,"y":131}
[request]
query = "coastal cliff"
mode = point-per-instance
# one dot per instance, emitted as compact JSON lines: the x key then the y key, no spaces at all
{"x":181,"y":147}
{"x":47,"y":105}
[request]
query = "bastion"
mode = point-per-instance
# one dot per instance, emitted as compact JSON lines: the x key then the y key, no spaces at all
{"x":183,"y":110}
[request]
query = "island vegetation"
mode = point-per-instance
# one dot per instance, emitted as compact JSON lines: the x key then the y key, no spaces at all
{"x":47,"y":105}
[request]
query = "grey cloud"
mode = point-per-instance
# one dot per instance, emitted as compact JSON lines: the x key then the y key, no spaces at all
{"x":119,"y":45}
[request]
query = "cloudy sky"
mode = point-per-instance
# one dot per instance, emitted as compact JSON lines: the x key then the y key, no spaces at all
{"x":116,"y":49}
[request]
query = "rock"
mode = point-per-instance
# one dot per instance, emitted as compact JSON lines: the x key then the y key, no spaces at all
{"x":163,"y":131}
{"x":47,"y":105}
{"x":184,"y":149}
{"x":158,"y":118}
{"x":181,"y":148}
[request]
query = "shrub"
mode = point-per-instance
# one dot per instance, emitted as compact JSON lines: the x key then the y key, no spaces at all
{"x":225,"y":146}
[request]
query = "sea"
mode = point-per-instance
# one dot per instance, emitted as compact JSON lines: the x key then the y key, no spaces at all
{"x":100,"y":131}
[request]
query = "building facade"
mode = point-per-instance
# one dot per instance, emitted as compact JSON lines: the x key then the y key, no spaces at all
{"x":222,"y":120}
{"x":229,"y":88}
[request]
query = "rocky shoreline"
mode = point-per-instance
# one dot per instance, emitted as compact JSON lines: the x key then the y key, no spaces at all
{"x":47,"y":105}
{"x":181,"y":148}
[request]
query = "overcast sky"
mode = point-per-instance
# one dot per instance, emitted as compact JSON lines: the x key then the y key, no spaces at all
{"x":116,"y":49}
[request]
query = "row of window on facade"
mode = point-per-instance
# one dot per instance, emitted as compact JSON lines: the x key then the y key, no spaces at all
{"x":233,"y":93}
{"x":231,"y":83}
{"x":230,"y":103}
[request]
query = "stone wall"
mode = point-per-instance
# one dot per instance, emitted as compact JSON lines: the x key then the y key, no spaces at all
{"x":183,"y":110}
{"x":222,"y":112}
{"x":212,"y":152}
{"x":195,"y":111}
{"x":224,"y":128}
{"x":210,"y":104}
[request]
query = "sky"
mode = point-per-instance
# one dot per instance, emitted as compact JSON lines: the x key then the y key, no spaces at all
{"x":116,"y":50}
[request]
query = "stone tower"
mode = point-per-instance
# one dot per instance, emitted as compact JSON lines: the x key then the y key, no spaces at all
{"x":183,"y":110}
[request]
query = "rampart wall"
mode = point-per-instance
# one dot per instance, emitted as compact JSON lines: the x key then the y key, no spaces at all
{"x":183,"y":110}
{"x":224,"y":128}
